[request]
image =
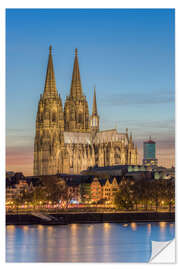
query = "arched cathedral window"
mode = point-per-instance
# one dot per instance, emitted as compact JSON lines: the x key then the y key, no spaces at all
{"x":40,"y":116}
{"x":54,"y":117}
{"x":94,"y":122}
{"x":80,"y":118}
{"x":72,"y":114}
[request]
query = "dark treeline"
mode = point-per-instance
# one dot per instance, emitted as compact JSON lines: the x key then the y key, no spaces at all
{"x":49,"y":189}
{"x":145,"y":192}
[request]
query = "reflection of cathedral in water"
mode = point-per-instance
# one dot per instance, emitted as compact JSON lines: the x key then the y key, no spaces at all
{"x":69,"y":140}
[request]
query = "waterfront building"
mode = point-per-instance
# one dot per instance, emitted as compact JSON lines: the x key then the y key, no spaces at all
{"x":88,"y":189}
{"x":118,"y":170}
{"x":9,"y":174}
{"x":162,"y":175}
{"x":139,"y":175}
{"x":14,"y":190}
{"x":96,"y":190}
{"x":110,"y":188}
{"x":150,"y":153}
{"x":14,"y":178}
{"x":68,"y":139}
{"x":107,"y":190}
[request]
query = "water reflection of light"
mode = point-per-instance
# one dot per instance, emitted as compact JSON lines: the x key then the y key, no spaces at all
{"x":106,"y":239}
{"x":74,"y":227}
{"x":25,"y":228}
{"x":11,"y":228}
{"x":90,"y":228}
{"x":162,"y":225}
{"x":40,"y":227}
{"x":107,"y":227}
{"x":133,"y":226}
{"x":74,"y":242}
{"x":50,"y":230}
{"x":94,"y":242}
{"x":149,"y":228}
{"x":90,"y":249}
{"x":40,"y":231}
{"x":171,"y":228}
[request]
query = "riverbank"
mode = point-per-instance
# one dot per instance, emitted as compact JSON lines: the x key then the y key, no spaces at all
{"x":68,"y":218}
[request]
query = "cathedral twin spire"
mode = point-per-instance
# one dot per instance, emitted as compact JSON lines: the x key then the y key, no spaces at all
{"x":50,"y":82}
{"x":76,"y":112}
{"x":76,"y":88}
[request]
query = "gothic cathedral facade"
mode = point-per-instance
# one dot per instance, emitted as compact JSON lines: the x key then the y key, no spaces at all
{"x":68,"y":140}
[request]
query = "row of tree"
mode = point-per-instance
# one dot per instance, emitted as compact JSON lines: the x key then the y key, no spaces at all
{"x":131,"y":194}
{"x":50,"y":189}
{"x":145,"y":192}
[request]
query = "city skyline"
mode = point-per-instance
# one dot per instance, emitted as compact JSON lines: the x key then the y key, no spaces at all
{"x":134,"y":78}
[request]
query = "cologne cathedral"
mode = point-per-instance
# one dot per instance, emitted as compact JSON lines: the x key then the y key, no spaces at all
{"x":68,"y":140}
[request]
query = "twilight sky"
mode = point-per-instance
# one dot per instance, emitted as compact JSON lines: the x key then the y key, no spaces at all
{"x":128,"y":54}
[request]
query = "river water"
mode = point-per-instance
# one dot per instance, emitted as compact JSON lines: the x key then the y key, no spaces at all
{"x":104,"y":242}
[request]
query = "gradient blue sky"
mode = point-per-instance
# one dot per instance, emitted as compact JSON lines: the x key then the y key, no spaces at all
{"x":128,"y":54}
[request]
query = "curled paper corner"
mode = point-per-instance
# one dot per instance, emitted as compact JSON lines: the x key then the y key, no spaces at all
{"x":163,"y":252}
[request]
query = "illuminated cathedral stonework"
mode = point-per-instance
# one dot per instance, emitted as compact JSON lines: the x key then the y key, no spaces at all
{"x":69,"y":140}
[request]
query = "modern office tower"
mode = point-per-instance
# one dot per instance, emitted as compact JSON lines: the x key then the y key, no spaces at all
{"x":150,"y":153}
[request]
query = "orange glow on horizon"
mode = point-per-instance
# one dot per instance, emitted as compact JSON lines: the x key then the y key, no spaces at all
{"x":21,"y":159}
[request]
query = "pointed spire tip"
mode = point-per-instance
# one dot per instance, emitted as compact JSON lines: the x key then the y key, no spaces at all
{"x":76,"y":89}
{"x":94,"y":112}
{"x":50,"y":82}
